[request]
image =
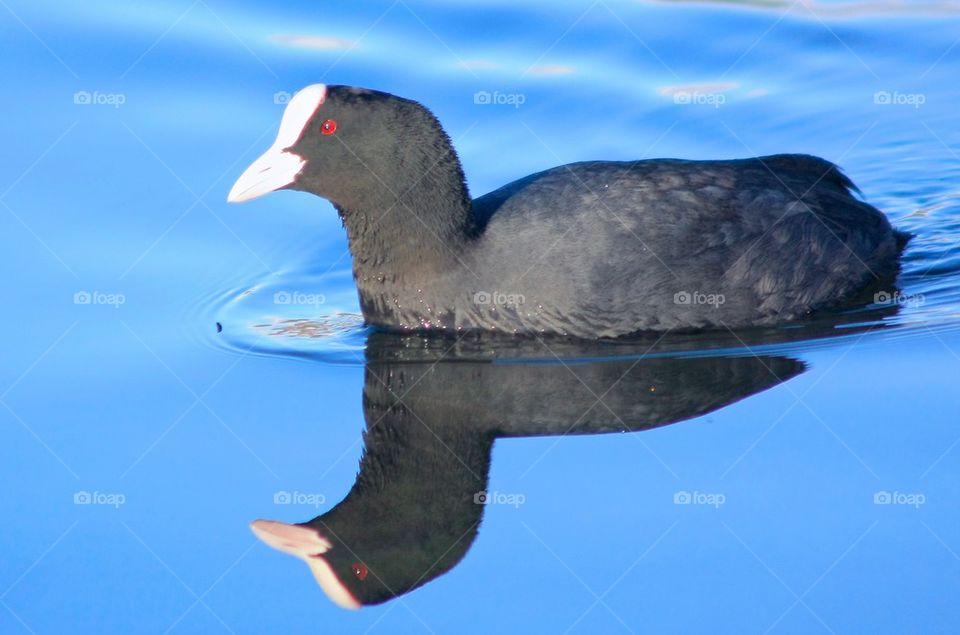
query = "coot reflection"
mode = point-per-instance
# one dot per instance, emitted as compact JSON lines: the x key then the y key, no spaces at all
{"x":433,"y":412}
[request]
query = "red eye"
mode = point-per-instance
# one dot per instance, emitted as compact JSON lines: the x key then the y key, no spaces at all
{"x":359,"y":569}
{"x":328,"y":127}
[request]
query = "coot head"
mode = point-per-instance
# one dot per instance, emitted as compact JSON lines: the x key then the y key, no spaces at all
{"x":358,"y":148}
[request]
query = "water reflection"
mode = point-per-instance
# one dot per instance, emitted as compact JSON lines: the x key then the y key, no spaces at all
{"x":433,"y":410}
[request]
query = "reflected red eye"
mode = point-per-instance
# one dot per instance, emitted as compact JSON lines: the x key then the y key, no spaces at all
{"x":328,"y":127}
{"x":359,"y":569}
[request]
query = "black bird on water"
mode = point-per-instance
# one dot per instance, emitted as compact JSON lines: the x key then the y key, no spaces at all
{"x":597,"y":249}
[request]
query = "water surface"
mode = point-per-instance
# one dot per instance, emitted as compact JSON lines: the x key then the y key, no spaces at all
{"x":820,"y":462}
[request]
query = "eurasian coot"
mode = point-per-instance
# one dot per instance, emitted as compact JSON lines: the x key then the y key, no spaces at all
{"x":591,"y":249}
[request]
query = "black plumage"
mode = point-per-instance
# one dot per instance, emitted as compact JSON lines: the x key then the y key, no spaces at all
{"x":594,"y":249}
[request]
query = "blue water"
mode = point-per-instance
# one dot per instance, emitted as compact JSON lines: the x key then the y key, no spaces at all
{"x":137,"y":442}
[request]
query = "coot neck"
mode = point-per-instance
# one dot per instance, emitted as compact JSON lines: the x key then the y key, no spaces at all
{"x":406,"y":234}
{"x":419,"y":463}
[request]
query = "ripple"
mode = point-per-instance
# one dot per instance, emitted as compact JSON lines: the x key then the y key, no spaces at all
{"x":259,"y":319}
